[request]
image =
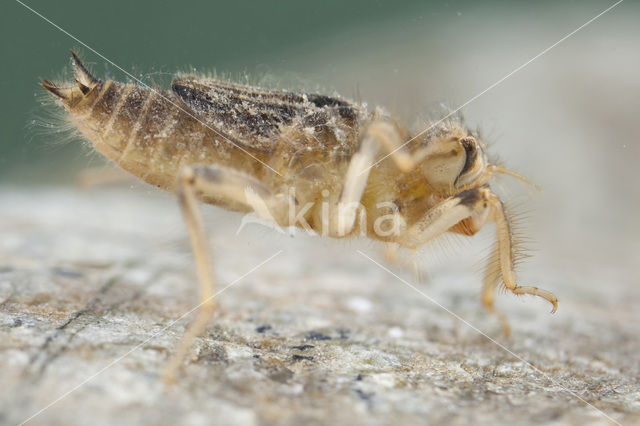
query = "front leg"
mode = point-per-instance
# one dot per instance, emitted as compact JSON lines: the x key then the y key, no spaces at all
{"x":472,"y":204}
{"x":491,"y":282}
{"x":445,"y":215}
{"x":506,"y":255}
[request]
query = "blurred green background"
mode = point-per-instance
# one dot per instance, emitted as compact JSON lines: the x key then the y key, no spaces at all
{"x":409,"y":55}
{"x":567,"y":120}
{"x":285,"y":41}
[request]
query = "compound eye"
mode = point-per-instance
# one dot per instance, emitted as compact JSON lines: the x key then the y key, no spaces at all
{"x":471,"y":150}
{"x":472,"y":163}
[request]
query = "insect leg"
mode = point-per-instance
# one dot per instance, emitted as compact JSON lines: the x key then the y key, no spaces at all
{"x":379,"y":134}
{"x":102,"y":176}
{"x":448,"y":213}
{"x":231,"y":186}
{"x":208,"y":181}
{"x":505,"y":248}
{"x":444,"y":215}
{"x":188,"y":205}
{"x":491,"y":281}
{"x":388,"y":138}
{"x":469,"y":203}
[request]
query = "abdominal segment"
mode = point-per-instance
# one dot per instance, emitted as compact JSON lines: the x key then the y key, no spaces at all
{"x":148,"y":133}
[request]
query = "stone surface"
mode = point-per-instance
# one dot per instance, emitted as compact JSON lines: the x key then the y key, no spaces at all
{"x":92,"y":281}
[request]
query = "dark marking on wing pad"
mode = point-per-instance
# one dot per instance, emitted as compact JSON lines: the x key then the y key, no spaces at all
{"x":469,"y":197}
{"x":256,"y":113}
{"x":471,"y":150}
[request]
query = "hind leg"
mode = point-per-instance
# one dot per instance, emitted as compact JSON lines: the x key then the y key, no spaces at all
{"x":234,"y":187}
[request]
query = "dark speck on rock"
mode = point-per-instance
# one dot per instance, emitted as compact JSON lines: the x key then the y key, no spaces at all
{"x":68,"y":273}
{"x":303,"y":347}
{"x":17,"y":322}
{"x":263,"y":328}
{"x":302,"y":357}
{"x":364,"y":395}
{"x":314,"y":335}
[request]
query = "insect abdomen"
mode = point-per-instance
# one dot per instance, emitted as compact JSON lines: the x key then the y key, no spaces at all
{"x":147,"y":132}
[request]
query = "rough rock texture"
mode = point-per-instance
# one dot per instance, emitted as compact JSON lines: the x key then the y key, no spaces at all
{"x":90,"y":281}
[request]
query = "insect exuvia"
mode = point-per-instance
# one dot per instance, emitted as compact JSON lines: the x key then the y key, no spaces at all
{"x":322,"y":163}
